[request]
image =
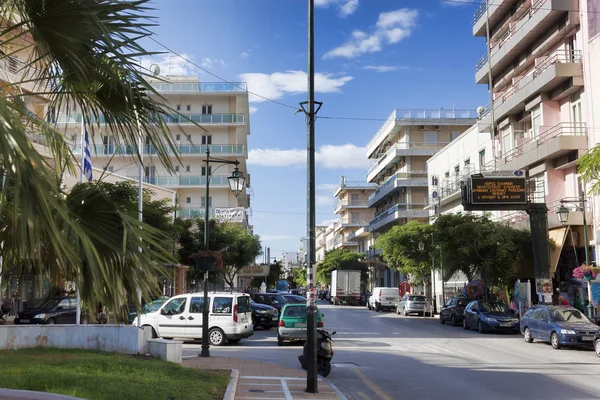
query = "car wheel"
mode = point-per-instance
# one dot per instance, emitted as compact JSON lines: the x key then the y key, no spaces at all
{"x":154,"y":335}
{"x":377,"y":307}
{"x":216,"y":337}
{"x":442,"y":320}
{"x":453,"y":320}
{"x":480,"y":327}
{"x":527,"y":335}
{"x":51,"y":321}
{"x":465,"y":326}
{"x":266,"y":327}
{"x":404,"y":312}
{"x":233,"y":341}
{"x":554,"y":341}
{"x":597,"y":347}
{"x":279,"y":340}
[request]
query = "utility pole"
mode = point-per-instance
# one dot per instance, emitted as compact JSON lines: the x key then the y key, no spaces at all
{"x":309,"y":110}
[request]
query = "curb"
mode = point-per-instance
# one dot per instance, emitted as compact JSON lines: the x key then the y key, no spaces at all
{"x":13,"y":394}
{"x":232,"y":386}
{"x":337,"y":391}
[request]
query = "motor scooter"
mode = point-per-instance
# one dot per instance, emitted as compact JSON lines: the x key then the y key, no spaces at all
{"x":5,"y":310}
{"x":324,"y":352}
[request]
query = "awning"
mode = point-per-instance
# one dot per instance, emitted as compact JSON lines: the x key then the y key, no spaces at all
{"x":558,"y":235}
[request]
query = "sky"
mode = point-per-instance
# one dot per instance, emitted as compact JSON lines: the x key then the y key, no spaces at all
{"x":371,"y":57}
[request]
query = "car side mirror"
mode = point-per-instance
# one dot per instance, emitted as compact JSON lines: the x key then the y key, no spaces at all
{"x":322,"y":315}
{"x":164,"y":312}
{"x":59,"y":308}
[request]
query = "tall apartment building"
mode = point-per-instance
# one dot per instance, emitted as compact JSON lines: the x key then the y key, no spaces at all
{"x":535,"y":71}
{"x":353,"y":208}
{"x":221,"y":109}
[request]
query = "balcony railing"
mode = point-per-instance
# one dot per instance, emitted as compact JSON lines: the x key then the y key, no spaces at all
{"x":421,"y":114}
{"x":204,"y":87}
{"x":184,"y":118}
{"x":397,"y":207}
{"x":215,"y":180}
{"x":352,"y":203}
{"x":407,"y":146}
{"x":479,"y":12}
{"x":558,"y":56}
{"x":354,"y":221}
{"x":545,"y":134}
{"x":393,"y":178}
{"x":235,"y":149}
{"x":194,"y":212}
{"x":354,"y":185}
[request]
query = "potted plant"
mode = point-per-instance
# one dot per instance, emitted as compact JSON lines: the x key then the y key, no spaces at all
{"x":586,"y":272}
{"x":207,"y":260}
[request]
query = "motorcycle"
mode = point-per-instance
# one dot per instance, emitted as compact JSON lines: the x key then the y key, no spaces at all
{"x":324,"y":353}
{"x":5,"y":310}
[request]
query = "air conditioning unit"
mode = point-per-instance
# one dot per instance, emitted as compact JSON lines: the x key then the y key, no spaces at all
{"x":422,"y":127}
{"x":436,"y":127}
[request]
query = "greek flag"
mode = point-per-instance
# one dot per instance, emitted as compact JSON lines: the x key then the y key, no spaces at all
{"x":87,"y":158}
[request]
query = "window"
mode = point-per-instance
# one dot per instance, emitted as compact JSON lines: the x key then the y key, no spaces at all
{"x":537,"y":314}
{"x":187,"y":168}
{"x":188,"y":200}
{"x":207,"y":109}
{"x":196,"y":305}
{"x":64,"y":303}
{"x":177,"y":168}
{"x":73,"y":137}
{"x":430,"y":136}
{"x":447,"y":174}
{"x":174,"y":307}
{"x":355,"y":218}
{"x":468,"y":161}
{"x":203,"y":201}
{"x":204,"y":171}
{"x":457,"y":171}
{"x":536,"y":120}
{"x":244,"y":304}
{"x":507,"y":143}
{"x":188,"y":107}
{"x":354,"y":199}
{"x":454,"y":134}
{"x":109,"y":144}
{"x":206,"y":139}
{"x":109,"y":168}
{"x":222,"y":305}
{"x":177,"y":137}
{"x":481,"y":159}
{"x":178,"y":107}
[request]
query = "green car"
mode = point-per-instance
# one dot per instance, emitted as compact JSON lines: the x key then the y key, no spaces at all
{"x":292,"y":323}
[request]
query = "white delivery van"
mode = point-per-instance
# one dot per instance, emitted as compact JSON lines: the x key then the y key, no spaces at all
{"x":230,"y":317}
{"x":384,"y":298}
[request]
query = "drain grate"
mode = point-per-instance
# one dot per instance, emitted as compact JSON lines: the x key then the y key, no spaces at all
{"x":256,"y":391}
{"x":344,"y":364}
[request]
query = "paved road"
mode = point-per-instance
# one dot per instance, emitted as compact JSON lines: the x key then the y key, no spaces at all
{"x":386,"y":356}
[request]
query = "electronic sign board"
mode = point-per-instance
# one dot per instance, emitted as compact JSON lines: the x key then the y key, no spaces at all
{"x":498,"y":190}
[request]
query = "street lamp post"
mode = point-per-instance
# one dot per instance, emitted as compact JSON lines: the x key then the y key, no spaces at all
{"x":236,"y":184}
{"x":563,"y":216}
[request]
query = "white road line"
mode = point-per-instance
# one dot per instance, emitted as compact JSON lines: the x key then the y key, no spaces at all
{"x":286,"y":390}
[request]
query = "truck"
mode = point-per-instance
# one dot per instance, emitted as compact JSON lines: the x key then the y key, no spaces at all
{"x":345,"y":287}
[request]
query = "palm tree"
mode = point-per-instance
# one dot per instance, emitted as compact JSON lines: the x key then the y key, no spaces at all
{"x":82,"y":53}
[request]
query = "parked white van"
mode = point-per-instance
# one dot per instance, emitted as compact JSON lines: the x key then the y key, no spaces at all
{"x":230,"y":317}
{"x":384,"y":298}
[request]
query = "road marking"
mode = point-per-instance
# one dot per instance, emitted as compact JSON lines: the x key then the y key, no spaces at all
{"x":371,"y":385}
{"x":286,"y":390}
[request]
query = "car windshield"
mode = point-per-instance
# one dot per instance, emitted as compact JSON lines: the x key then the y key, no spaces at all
{"x":277,"y":299}
{"x":416,"y":298}
{"x":153,"y":306}
{"x":494,"y":307}
{"x":569,"y":316}
{"x":295,"y":311}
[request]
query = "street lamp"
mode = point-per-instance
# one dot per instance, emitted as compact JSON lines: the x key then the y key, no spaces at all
{"x":563,"y":216}
{"x":236,"y":184}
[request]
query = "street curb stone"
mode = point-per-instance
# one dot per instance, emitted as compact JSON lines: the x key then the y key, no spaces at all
{"x":13,"y":394}
{"x":232,"y":386}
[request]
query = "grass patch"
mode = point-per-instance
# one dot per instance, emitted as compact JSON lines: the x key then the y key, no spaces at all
{"x":98,"y":375}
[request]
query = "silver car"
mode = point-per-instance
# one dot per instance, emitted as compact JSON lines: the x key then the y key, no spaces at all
{"x":413,"y":303}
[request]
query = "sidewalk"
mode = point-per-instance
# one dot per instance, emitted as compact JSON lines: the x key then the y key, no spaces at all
{"x":262,"y":380}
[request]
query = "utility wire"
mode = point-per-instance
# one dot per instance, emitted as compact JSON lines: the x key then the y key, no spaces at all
{"x":217,"y":76}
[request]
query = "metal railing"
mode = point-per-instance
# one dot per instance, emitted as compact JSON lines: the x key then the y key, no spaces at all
{"x":482,"y":61}
{"x":422,"y":114}
{"x":215,"y":180}
{"x":352,"y":203}
{"x":194,"y":212}
{"x":397,"y":207}
{"x":545,"y":134}
{"x":235,"y":149}
{"x":479,"y":12}
{"x":354,"y":221}
{"x":558,"y":56}
{"x":204,"y":87}
{"x":392,"y":179}
{"x":355,"y":185}
{"x":184,"y":118}
{"x":407,"y":146}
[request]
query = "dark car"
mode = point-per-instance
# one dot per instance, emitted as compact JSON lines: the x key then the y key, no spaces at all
{"x":597,"y":343}
{"x":51,"y":310}
{"x":489,"y":316}
{"x":561,"y":326}
{"x":264,"y":315}
{"x":453,"y":311}
{"x":271,"y":299}
{"x":294,"y":299}
{"x":147,"y":308}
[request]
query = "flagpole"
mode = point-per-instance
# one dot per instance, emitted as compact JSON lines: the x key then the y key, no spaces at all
{"x":140,"y":193}
{"x":78,"y":309}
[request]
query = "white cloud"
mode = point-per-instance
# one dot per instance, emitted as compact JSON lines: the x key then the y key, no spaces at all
{"x":327,"y":186}
{"x":171,"y":64}
{"x":384,"y":68}
{"x":455,"y":3}
{"x":245,"y":54}
{"x":346,"y":7}
{"x":253,"y":110}
{"x":208,"y":63}
{"x":391,"y":27}
{"x":329,"y":156}
{"x":324,"y":200}
{"x":277,"y":84}
{"x":276,"y":237}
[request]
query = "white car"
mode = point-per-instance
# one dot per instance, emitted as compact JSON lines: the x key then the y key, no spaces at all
{"x":384,"y":298}
{"x":181,"y":317}
{"x":414,"y":303}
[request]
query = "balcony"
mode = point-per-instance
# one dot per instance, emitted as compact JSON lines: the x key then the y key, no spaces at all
{"x":18,"y":73}
{"x":398,"y":182}
{"x":400,"y":118}
{"x":520,"y":219}
{"x":203,"y":87}
{"x":349,"y":203}
{"x":551,"y":142}
{"x":397,"y":212}
{"x":216,"y":181}
{"x":183,"y":119}
{"x":350,"y":222}
{"x":220,"y":149}
{"x":402,"y":149}
{"x":522,"y":33}
{"x":186,"y":213}
{"x":559,"y":74}
{"x":354,"y":185}
{"x":497,"y":10}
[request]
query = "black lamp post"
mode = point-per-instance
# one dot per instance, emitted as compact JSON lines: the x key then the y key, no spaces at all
{"x":563,"y":216}
{"x":236,"y":184}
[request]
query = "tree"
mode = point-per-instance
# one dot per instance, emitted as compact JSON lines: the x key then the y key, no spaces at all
{"x":299,"y":277}
{"x":340,"y":259}
{"x":238,"y":247}
{"x":589,"y":168}
{"x":272,"y":278}
{"x":400,"y":249}
{"x":86,"y":54}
